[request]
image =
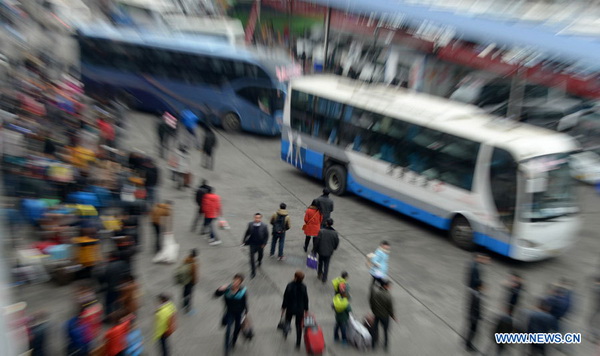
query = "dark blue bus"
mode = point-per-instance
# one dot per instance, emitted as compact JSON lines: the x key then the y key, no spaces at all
{"x":232,"y":87}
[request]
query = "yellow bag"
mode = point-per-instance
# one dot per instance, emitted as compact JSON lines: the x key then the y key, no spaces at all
{"x":340,"y":303}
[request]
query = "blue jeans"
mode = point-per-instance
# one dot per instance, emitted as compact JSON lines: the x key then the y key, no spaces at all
{"x":281,"y":238}
{"x":232,"y":319}
{"x":342,"y":328}
{"x":208,"y":223}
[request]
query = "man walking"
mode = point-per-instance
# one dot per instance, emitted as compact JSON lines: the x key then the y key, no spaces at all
{"x":382,"y":308}
{"x":164,"y":324}
{"x":235,"y":306}
{"x":514,"y":286}
{"x":295,"y":305}
{"x":159,"y":216}
{"x":474,"y":314}
{"x":325,"y":205}
{"x":151,"y":181}
{"x":256,"y":236}
{"x":210,"y":142}
{"x":281,"y":223}
{"x":200,"y":192}
{"x":327,"y":242}
{"x":115,"y":270}
{"x":211,"y":207}
{"x":475,"y":275}
{"x":541,"y":321}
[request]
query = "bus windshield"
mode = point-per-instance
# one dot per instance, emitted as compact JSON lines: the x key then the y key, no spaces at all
{"x":552,"y":193}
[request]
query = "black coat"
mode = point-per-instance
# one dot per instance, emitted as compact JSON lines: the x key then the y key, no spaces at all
{"x":262,"y":239}
{"x":325,"y":205}
{"x":295,"y":298}
{"x":541,"y":322}
{"x":151,"y":176}
{"x":475,"y":306}
{"x":236,"y":303}
{"x":203,"y":189}
{"x":116,"y":270}
{"x":210,"y":141}
{"x":327,"y":242}
{"x":474,"y":275}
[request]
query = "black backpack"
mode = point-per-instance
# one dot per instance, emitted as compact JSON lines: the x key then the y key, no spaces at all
{"x":279,"y":224}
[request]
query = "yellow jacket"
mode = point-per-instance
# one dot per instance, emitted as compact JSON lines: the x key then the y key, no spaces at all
{"x":162,"y":317}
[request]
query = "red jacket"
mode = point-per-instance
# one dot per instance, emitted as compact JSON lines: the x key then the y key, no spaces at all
{"x":211,"y":205}
{"x":312,"y":221}
{"x":116,"y":339}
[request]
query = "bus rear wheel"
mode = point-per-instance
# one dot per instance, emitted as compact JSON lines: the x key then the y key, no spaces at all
{"x":461,"y":233}
{"x":231,"y":122}
{"x":335,"y":179}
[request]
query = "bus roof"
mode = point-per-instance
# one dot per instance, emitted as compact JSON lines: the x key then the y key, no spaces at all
{"x":274,"y":64}
{"x":207,"y":45}
{"x":522,"y":140}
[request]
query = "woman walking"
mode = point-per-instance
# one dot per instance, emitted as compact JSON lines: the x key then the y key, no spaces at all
{"x":235,"y":306}
{"x":312,"y":224}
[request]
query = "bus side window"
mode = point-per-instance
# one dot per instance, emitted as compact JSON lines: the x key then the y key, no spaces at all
{"x":327,"y":119}
{"x":503,"y":185}
{"x":302,"y":112}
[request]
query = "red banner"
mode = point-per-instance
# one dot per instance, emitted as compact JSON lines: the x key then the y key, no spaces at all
{"x":252,"y":19}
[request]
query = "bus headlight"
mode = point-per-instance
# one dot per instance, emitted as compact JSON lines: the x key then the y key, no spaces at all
{"x":528,"y":244}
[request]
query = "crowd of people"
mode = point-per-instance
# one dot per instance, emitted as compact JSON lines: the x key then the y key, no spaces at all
{"x":548,"y":315}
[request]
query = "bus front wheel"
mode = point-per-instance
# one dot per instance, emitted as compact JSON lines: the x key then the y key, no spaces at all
{"x":335,"y":179}
{"x":231,"y":122}
{"x":461,"y":233}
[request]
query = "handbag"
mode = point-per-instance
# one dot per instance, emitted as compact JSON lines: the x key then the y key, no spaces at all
{"x":247,"y":330}
{"x":311,"y":261}
{"x":223,"y":224}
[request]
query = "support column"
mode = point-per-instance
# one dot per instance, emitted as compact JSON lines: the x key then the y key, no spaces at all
{"x":326,"y":44}
{"x":517,"y":93}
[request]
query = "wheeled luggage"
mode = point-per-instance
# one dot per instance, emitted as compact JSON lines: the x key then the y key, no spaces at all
{"x":358,"y":335}
{"x":313,"y":337}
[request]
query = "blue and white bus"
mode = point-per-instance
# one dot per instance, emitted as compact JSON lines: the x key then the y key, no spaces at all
{"x":488,"y":181}
{"x":239,"y":89}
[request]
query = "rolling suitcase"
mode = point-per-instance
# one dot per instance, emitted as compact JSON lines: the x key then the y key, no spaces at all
{"x":313,"y":337}
{"x":358,"y":335}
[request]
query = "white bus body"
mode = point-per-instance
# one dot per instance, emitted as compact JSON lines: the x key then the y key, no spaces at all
{"x":490,"y":182}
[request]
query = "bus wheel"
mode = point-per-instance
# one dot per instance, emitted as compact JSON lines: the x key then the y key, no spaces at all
{"x":335,"y":179}
{"x":461,"y":233}
{"x":231,"y":122}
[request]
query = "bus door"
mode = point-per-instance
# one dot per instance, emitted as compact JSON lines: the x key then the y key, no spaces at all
{"x":260,"y":106}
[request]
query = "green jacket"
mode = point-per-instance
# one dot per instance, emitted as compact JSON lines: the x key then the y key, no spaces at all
{"x":381,"y":302}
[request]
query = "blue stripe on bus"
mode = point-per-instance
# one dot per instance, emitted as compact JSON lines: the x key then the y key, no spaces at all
{"x":395,"y":204}
{"x":492,"y":244}
{"x":309,"y":162}
{"x":313,"y":165}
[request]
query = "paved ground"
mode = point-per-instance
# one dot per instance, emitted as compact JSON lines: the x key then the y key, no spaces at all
{"x":427,"y":268}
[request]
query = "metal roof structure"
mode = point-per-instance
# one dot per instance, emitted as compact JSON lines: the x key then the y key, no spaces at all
{"x":549,"y":40}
